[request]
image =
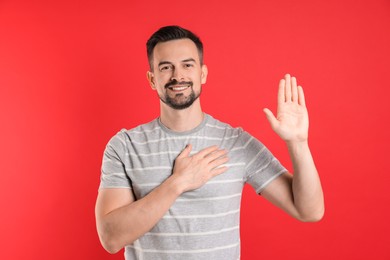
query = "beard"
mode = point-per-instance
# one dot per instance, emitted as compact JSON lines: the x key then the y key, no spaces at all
{"x":180,"y":101}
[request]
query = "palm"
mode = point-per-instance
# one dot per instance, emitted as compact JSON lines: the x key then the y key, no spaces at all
{"x":291,"y":122}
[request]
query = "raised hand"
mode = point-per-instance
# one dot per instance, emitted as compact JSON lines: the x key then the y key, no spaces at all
{"x":194,"y":171}
{"x":292,"y":121}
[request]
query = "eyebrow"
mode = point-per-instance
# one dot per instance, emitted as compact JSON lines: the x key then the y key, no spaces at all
{"x":187,"y":60}
{"x":168,"y":62}
{"x":163,"y":63}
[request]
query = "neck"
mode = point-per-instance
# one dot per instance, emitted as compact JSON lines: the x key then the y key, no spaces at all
{"x":181,"y":120}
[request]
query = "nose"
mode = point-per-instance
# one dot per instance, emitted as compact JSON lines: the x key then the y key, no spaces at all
{"x":177,"y":74}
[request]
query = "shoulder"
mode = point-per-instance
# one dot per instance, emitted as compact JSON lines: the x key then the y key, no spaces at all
{"x":138,"y":133}
{"x":142,"y":130}
{"x":228,"y":130}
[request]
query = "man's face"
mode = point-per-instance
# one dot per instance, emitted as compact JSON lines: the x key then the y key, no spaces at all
{"x":177,"y":74}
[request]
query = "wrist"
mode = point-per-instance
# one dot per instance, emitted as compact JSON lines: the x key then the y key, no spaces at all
{"x":175,"y":185}
{"x":297,"y":146}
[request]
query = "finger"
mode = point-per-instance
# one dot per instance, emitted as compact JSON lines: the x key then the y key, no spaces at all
{"x":281,"y":92}
{"x":288,"y":87}
{"x":301,"y":96}
{"x":215,"y":155}
{"x":219,"y":164}
{"x":186,"y":152}
{"x":271,"y":118}
{"x":219,"y":170}
{"x":206,"y":151}
{"x":294,"y":89}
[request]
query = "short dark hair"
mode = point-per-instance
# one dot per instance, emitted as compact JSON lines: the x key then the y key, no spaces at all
{"x":169,"y":33}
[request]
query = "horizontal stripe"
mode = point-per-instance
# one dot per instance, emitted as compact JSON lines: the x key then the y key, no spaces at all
{"x":112,"y":174}
{"x":256,"y":156}
{"x":159,"y":153}
{"x":145,"y":130}
{"x":206,"y":250}
{"x":152,"y":154}
{"x":108,"y":186}
{"x":162,"y":153}
{"x":210,"y":198}
{"x":105,"y":160}
{"x":262,"y":168}
{"x":171,"y":167}
{"x":149,"y":168}
{"x":207,"y":183}
{"x":152,"y":184}
{"x":204,"y":216}
{"x":244,"y":146}
{"x":269,"y":180}
{"x":218,"y":127}
{"x":234,"y":164}
{"x":224,"y":181}
{"x":184,"y":234}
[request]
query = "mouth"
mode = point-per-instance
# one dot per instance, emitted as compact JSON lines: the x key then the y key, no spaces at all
{"x":178,"y":88}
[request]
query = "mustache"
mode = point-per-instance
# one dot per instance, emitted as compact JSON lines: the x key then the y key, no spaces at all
{"x":175,"y":82}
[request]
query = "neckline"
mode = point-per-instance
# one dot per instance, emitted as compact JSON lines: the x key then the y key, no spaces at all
{"x":194,"y":130}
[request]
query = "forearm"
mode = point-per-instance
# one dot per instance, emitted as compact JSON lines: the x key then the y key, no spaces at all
{"x":306,"y":185}
{"x":124,"y":225}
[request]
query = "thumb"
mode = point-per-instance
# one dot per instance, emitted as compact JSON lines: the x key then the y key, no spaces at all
{"x":186,"y":151}
{"x":271,"y":118}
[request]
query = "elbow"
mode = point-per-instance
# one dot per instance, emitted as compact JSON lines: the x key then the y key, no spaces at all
{"x":312,"y":217}
{"x":109,"y":241}
{"x":112,"y":250}
{"x":110,"y":247}
{"x":109,"y":244}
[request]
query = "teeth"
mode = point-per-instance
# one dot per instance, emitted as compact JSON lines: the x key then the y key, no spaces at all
{"x":179,"y":88}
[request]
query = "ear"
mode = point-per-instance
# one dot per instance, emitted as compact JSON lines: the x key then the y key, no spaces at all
{"x":151,"y":80}
{"x":205,"y":71}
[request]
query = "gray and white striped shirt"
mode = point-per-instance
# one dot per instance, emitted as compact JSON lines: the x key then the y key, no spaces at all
{"x":203,"y":223}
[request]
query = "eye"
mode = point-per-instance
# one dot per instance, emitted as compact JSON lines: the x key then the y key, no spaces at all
{"x":165,"y":67}
{"x":188,"y":65}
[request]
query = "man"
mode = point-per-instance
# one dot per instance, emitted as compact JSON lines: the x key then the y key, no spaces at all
{"x":171,"y":188}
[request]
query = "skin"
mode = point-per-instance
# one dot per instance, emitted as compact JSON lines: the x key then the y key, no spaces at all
{"x":121,"y":219}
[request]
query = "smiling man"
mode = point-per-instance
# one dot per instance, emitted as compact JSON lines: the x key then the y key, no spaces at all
{"x":171,"y":188}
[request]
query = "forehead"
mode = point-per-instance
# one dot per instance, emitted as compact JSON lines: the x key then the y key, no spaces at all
{"x":175,"y":50}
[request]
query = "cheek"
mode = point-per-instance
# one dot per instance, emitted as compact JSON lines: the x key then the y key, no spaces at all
{"x":162,"y":79}
{"x":158,"y":84}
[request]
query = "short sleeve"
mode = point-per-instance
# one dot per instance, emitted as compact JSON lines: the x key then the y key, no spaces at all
{"x":113,"y":171}
{"x":261,"y":166}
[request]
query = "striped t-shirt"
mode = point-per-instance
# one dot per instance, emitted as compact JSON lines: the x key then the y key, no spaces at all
{"x":203,"y":223}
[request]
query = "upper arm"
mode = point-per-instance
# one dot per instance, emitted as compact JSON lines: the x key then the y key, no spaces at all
{"x":110,"y":199}
{"x":279,"y":192}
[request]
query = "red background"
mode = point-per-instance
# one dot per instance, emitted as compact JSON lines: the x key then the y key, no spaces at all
{"x":72,"y":74}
